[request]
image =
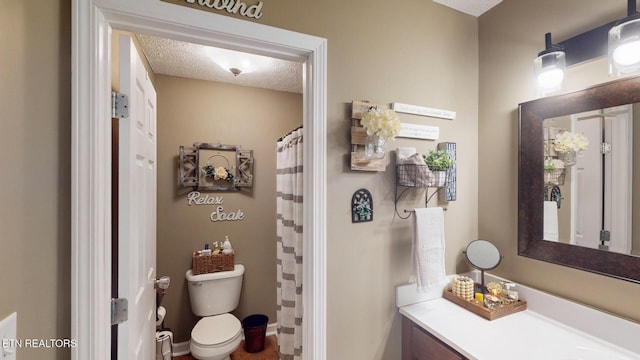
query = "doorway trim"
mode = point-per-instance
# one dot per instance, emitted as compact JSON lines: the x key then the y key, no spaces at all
{"x":92,"y":21}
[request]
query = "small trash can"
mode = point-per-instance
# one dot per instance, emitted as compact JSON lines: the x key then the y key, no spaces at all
{"x":255,"y":330}
{"x":164,"y":345}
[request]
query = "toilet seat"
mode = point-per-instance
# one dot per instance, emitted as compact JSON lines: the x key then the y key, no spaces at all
{"x":216,"y":331}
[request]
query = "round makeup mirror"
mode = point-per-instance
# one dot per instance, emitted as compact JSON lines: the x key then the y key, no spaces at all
{"x":483,"y":255}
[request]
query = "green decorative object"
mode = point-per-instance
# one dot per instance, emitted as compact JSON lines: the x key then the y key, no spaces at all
{"x":438,"y":160}
{"x":361,"y":206}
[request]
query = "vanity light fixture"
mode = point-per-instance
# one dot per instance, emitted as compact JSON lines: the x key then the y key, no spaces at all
{"x":624,"y":43}
{"x":619,"y":40}
{"x":550,"y":66}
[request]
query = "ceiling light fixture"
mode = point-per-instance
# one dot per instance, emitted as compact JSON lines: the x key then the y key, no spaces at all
{"x":235,"y":71}
{"x":550,"y":66}
{"x":245,"y":63}
{"x":624,"y":43}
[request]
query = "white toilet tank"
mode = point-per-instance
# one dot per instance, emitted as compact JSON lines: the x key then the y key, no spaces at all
{"x":215,"y":293}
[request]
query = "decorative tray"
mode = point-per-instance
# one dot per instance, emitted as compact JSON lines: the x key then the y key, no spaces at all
{"x":479,"y":309}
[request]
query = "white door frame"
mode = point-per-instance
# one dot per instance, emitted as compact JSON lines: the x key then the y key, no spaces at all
{"x":92,"y":21}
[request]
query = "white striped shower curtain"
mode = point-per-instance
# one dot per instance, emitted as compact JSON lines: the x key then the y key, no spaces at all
{"x":289,"y":244}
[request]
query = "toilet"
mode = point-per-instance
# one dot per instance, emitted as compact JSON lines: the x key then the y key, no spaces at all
{"x":213,"y":296}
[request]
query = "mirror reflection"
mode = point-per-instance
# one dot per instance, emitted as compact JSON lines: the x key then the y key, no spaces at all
{"x":590,"y":161}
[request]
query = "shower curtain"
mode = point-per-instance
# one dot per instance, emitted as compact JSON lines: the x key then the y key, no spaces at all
{"x":289,"y":245}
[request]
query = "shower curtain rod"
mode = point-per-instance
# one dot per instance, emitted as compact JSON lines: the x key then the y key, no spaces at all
{"x":289,"y":133}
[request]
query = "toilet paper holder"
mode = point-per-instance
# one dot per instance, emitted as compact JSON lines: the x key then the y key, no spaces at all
{"x":161,"y":285}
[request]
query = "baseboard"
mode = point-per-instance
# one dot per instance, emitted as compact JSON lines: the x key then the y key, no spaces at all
{"x":182,"y":348}
{"x":272,"y":329}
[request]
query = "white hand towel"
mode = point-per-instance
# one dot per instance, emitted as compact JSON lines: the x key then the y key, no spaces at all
{"x":428,"y":248}
{"x":404,"y":153}
{"x":550,"y":229}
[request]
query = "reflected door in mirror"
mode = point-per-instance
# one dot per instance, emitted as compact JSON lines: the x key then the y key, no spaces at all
{"x":598,"y":187}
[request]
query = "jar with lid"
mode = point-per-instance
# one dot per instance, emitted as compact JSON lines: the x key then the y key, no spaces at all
{"x":509,"y":293}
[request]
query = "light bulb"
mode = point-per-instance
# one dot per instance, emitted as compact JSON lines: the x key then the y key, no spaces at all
{"x":624,"y":48}
{"x":627,"y":54}
{"x":550,"y":78}
{"x":549,"y":72}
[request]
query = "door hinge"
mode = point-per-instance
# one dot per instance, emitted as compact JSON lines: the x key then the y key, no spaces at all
{"x":605,"y":148}
{"x":119,"y":105}
{"x":119,"y":311}
{"x":605,"y":237}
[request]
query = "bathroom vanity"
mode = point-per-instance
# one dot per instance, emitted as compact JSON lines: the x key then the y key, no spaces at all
{"x":551,"y":328}
{"x":419,"y":344}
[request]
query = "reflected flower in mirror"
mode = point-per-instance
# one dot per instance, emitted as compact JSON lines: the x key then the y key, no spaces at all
{"x":568,"y":141}
{"x":568,"y":144}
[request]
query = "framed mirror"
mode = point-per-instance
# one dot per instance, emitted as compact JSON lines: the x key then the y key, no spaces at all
{"x":531,"y":181}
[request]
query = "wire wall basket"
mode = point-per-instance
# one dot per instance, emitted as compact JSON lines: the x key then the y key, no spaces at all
{"x":414,"y":175}
{"x":554,"y":177}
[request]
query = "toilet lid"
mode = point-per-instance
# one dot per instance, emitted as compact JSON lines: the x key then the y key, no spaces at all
{"x":212,"y":330}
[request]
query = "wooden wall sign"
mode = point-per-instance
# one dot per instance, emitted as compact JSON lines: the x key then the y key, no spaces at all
{"x":230,"y":6}
{"x":424,"y":111}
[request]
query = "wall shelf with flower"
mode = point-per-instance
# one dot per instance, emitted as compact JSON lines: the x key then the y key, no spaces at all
{"x":372,"y":126}
{"x":561,"y":148}
{"x":215,"y":167}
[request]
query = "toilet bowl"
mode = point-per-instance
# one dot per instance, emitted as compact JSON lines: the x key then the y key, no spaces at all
{"x":215,"y":337}
{"x":213,"y":296}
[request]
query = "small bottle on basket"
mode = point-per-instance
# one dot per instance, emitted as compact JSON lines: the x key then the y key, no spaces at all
{"x":226,"y":245}
{"x":206,"y":250}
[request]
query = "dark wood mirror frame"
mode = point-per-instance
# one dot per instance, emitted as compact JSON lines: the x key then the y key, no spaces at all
{"x":531,"y":184}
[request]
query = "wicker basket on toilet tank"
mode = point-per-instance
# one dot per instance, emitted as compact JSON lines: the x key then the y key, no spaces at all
{"x":203,"y":264}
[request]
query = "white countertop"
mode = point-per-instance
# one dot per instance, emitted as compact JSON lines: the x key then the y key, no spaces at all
{"x":527,"y":334}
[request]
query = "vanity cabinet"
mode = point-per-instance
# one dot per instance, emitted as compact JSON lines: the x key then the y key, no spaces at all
{"x":418,"y":344}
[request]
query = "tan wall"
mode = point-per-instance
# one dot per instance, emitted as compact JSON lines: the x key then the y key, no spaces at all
{"x":200,"y":111}
{"x":509,"y":41}
{"x":35,"y":157}
{"x":416,"y":52}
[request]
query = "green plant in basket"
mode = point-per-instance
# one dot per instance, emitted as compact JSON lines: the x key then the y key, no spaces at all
{"x":549,"y":164}
{"x":438,"y":160}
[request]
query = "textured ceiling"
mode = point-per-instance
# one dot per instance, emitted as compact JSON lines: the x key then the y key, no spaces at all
{"x":471,"y":7}
{"x":176,"y":58}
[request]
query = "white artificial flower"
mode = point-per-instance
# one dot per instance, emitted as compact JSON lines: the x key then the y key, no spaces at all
{"x":220,"y":173}
{"x":383,"y":123}
{"x":568,"y":141}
